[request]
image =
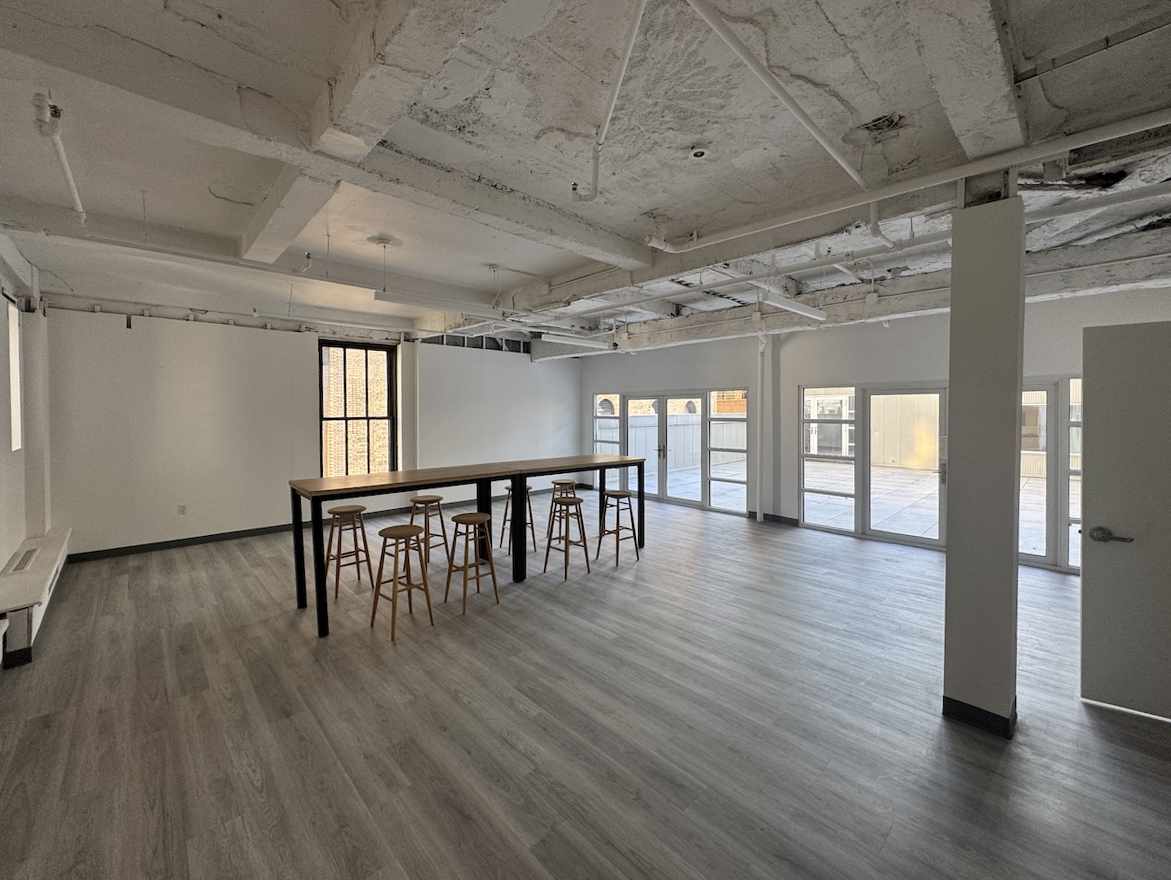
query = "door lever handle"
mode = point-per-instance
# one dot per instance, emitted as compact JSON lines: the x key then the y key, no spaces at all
{"x":1103,"y":535}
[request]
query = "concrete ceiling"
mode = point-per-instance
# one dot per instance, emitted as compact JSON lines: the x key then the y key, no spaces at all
{"x":260,"y":131}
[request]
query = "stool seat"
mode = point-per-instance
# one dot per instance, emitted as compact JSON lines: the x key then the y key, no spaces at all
{"x":565,"y":482}
{"x":617,"y":493}
{"x":568,"y":501}
{"x":471,"y":519}
{"x":344,"y":509}
{"x":426,"y":499}
{"x":400,"y":532}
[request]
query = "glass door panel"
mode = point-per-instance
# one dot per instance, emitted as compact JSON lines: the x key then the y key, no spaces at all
{"x":644,"y":439}
{"x":684,"y":448}
{"x":1034,"y":492}
{"x":904,"y":464}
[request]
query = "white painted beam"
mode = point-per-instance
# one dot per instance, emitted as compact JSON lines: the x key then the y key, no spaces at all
{"x":20,"y":217}
{"x":13,"y":266}
{"x":206,"y":107}
{"x":290,"y":205}
{"x":1131,"y":262}
{"x":960,"y":44}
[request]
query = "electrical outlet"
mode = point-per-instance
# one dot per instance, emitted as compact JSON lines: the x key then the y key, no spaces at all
{"x":182,"y":510}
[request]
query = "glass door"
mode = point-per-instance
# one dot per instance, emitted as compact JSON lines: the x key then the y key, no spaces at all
{"x":645,"y":438}
{"x":906,"y":465}
{"x":684,"y":453}
{"x":1033,"y":501}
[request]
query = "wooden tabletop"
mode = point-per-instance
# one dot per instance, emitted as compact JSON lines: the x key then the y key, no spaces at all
{"x":422,"y":478}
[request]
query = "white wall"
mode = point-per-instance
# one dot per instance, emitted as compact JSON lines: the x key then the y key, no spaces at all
{"x":169,"y":413}
{"x":491,"y":406}
{"x":12,"y":464}
{"x":219,"y":419}
{"x":916,"y":350}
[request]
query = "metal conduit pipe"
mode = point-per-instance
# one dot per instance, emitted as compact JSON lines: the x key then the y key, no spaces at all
{"x":1028,"y":155}
{"x":1154,"y":191}
{"x":49,"y":125}
{"x":603,"y":130}
{"x":716,"y":22}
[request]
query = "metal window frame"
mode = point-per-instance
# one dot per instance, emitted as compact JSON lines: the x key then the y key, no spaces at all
{"x":803,"y":456}
{"x":391,"y":400}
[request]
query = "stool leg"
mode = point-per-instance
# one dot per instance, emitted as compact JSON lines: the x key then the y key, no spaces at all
{"x":492,"y":572}
{"x":633,"y":530}
{"x":467,"y":533}
{"x":426,"y":586}
{"x":602,"y":533}
{"x":532,"y":519}
{"x":378,"y":583}
{"x":565,"y":543}
{"x":337,"y":574}
{"x":366,"y":547}
{"x":357,"y":555}
{"x":451,"y":561}
{"x":407,"y":566}
{"x":443,"y":527}
{"x":585,"y":550}
{"x":427,"y":533}
{"x":329,"y":556}
{"x":552,"y":508}
{"x":394,"y":594}
{"x":504,"y":519}
{"x":548,"y":545}
{"x":478,"y":533}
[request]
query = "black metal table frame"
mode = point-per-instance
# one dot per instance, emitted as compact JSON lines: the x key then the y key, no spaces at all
{"x":519,"y":523}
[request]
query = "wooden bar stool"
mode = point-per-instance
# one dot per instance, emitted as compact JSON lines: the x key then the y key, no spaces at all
{"x":342,"y":517}
{"x":504,"y":522}
{"x":568,"y":508}
{"x":561,"y":489}
{"x":431,"y":507}
{"x":476,"y":527}
{"x":622,"y":501}
{"x":405,"y":538}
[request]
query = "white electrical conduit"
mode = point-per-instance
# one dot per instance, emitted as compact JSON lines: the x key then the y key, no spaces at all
{"x":49,"y":125}
{"x":1154,"y":191}
{"x":601,"y":132}
{"x":716,"y":22}
{"x":1028,"y":155}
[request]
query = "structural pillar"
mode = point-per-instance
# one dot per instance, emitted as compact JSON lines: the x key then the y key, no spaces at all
{"x":983,"y":464}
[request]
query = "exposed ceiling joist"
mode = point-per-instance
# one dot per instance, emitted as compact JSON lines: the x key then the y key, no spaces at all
{"x":1129,"y":262}
{"x":960,"y":45}
{"x":208,"y":108}
{"x":21,"y":217}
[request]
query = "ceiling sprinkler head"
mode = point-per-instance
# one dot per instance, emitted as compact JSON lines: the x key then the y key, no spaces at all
{"x":698,"y":152}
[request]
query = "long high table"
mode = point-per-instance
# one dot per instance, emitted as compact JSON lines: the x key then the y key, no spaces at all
{"x":323,"y":489}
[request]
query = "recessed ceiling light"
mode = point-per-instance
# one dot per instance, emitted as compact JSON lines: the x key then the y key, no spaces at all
{"x":698,"y":152}
{"x":384,"y":240}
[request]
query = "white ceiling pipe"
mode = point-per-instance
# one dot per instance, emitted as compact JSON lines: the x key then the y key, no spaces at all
{"x":716,"y":22}
{"x":49,"y":125}
{"x":1029,"y":155}
{"x":774,"y":294}
{"x":574,"y":340}
{"x":603,"y":130}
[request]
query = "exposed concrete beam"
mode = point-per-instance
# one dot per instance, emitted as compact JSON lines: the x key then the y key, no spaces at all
{"x":290,"y":205}
{"x":20,"y":216}
{"x":206,"y":107}
{"x":13,"y":266}
{"x":969,"y":66}
{"x":1130,"y":262}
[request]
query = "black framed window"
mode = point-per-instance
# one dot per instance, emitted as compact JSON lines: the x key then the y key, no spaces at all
{"x":358,"y":408}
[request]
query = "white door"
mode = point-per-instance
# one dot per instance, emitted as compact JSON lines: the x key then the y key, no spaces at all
{"x":1126,"y":512}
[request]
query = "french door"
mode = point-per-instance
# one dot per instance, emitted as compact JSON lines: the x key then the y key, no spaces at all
{"x":904,"y":465}
{"x":668,"y":433}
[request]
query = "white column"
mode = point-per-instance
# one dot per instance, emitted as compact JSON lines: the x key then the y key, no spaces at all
{"x":34,"y":348}
{"x":984,"y":405}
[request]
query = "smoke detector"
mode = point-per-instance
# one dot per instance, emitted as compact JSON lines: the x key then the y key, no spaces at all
{"x":384,"y":240}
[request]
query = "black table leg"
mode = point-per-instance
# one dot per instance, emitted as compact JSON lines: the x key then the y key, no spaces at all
{"x":520,"y":512}
{"x":484,"y":505}
{"x":601,"y":499}
{"x":299,"y":550}
{"x":320,"y":596}
{"x":641,"y":504}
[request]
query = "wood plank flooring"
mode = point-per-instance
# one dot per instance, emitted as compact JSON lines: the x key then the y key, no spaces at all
{"x":748,"y":701}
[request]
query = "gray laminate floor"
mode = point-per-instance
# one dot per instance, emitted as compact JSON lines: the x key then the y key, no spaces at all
{"x":748,"y":701}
